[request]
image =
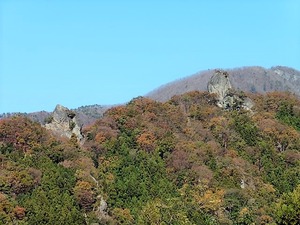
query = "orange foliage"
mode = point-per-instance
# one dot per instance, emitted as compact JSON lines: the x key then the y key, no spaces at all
{"x":147,"y":141}
{"x":100,"y":138}
{"x":116,"y":112}
{"x":19,"y":212}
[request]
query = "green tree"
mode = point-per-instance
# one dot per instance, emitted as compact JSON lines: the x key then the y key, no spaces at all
{"x":287,"y":210}
{"x":53,"y":202}
{"x":246,"y":128}
{"x":285,"y":113}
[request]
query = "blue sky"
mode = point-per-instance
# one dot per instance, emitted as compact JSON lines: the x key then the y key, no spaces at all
{"x":82,"y":52}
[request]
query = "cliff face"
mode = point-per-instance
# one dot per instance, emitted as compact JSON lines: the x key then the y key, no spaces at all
{"x":63,"y":122}
{"x":226,"y":96}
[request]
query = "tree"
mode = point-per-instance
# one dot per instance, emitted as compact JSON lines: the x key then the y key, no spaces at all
{"x":146,"y":141}
{"x":52,"y":196}
{"x":287,"y":115}
{"x":159,"y":212}
{"x":6,"y":209}
{"x":84,"y":195}
{"x":52,"y":208}
{"x":287,"y":210}
{"x":246,"y":128}
{"x":22,"y":133}
{"x":122,"y":216}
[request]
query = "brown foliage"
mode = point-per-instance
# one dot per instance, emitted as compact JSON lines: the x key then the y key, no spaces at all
{"x":270,"y":102}
{"x":203,"y":173}
{"x":19,"y":212}
{"x":22,"y":133}
{"x":179,"y":160}
{"x":282,"y":135}
{"x":85,"y":195}
{"x":146,"y":141}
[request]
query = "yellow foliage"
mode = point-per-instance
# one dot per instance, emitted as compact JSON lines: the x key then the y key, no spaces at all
{"x":123,"y":216}
{"x":243,"y":211}
{"x":211,"y":201}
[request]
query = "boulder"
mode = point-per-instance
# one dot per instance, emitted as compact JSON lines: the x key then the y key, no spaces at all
{"x":219,"y":84}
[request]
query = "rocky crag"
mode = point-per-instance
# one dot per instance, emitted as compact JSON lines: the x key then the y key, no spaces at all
{"x":63,"y":122}
{"x":226,"y":96}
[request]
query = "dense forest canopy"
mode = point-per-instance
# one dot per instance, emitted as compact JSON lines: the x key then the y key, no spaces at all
{"x":184,"y":161}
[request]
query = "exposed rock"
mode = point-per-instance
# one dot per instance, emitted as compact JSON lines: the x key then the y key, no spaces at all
{"x":103,"y":206}
{"x":101,"y":209}
{"x":243,"y":184}
{"x":64,"y":123}
{"x":247,"y":104}
{"x":226,"y":96}
{"x":219,"y":84}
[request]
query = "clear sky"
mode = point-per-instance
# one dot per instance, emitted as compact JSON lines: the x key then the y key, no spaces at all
{"x":82,"y":52}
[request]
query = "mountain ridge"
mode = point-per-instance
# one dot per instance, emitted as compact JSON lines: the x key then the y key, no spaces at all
{"x":86,"y":114}
{"x":254,"y":79}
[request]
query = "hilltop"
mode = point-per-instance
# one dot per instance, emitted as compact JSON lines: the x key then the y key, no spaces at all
{"x":248,"y":79}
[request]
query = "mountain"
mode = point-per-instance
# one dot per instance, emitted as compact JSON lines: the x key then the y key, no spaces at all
{"x":248,"y":79}
{"x":90,"y":113}
{"x":185,"y":161}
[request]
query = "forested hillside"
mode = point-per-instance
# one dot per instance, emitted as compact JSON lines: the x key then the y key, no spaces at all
{"x":184,"y":161}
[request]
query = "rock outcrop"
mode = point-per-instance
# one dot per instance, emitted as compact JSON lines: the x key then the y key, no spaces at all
{"x":101,"y":209}
{"x":64,"y":123}
{"x":219,"y":85}
{"x":226,"y":96}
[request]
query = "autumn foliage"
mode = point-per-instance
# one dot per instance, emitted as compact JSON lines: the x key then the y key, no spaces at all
{"x":184,"y":161}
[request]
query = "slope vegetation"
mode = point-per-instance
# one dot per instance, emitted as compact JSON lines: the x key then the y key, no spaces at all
{"x":184,"y":161}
